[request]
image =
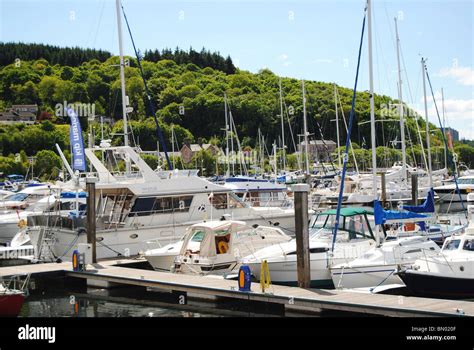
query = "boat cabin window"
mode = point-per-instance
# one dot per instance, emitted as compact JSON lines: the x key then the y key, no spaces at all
{"x":452,"y":244}
{"x":235,"y":201}
{"x":222,"y":239}
{"x":155,"y":205}
{"x":469,"y":245}
{"x":466,"y":181}
{"x":219,"y":201}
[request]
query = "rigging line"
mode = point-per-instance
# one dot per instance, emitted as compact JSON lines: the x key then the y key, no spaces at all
{"x":348,"y":138}
{"x":444,"y":136}
{"x":150,"y":102}
{"x":98,"y":23}
{"x":345,"y":125}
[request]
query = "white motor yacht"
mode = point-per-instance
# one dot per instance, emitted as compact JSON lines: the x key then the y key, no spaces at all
{"x":353,"y":239}
{"x":134,"y":207}
{"x":214,"y":247}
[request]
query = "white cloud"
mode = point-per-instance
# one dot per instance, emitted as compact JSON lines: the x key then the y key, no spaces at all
{"x":459,"y":113}
{"x":283,"y":59}
{"x":463,"y":75}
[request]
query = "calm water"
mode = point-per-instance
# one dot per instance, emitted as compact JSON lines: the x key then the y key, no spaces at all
{"x":70,"y":305}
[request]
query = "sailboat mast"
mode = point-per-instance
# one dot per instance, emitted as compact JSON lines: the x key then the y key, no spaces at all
{"x":337,"y":128}
{"x":305,"y":131}
{"x":172,"y":144}
{"x":122,"y":75}
{"x":400,"y":101}
{"x":372,"y":107}
{"x":226,"y":137}
{"x":428,"y":142}
{"x":444,"y":129}
{"x":282,"y":130}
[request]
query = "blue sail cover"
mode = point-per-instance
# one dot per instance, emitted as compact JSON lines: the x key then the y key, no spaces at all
{"x":426,"y":207}
{"x":381,"y":215}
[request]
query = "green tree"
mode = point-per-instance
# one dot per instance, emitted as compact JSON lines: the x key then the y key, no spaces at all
{"x":47,"y":164}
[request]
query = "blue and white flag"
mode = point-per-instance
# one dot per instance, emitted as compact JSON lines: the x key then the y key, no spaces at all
{"x":75,"y":137}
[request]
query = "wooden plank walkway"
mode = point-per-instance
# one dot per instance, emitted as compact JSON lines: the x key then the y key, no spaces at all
{"x":377,"y":304}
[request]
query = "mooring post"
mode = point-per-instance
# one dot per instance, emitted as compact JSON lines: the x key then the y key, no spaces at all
{"x":383,"y":185}
{"x":91,"y":219}
{"x":302,"y":235}
{"x":414,"y":189}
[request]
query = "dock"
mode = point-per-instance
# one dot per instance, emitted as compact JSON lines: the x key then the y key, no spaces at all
{"x":116,"y":272}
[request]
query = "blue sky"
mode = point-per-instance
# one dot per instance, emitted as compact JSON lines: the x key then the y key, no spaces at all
{"x":314,"y":40}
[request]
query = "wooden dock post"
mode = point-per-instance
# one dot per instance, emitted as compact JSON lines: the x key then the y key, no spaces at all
{"x":91,"y":219}
{"x":383,"y":185}
{"x":414,"y":189}
{"x":302,"y":235}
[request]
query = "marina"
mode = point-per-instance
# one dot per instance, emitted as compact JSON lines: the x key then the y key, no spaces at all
{"x":314,"y":171}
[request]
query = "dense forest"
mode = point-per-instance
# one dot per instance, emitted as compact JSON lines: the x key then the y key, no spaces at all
{"x":187,"y":89}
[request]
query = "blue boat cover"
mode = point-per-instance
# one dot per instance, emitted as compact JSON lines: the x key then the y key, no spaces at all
{"x":381,"y":215}
{"x":73,"y":194}
{"x":426,"y":207}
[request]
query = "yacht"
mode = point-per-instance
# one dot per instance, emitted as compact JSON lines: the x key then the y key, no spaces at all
{"x":447,"y":274}
{"x":214,"y":247}
{"x":259,"y":192}
{"x":353,"y":239}
{"x":141,"y":205}
{"x":378,"y":266}
{"x":450,"y":273}
{"x":448,"y":192}
{"x":13,"y":221}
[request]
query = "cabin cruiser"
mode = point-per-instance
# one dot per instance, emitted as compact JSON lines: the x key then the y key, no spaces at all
{"x":449,"y":193}
{"x":214,"y":247}
{"x":26,"y":197}
{"x":259,"y":192}
{"x":447,"y":274}
{"x":378,"y":265}
{"x":450,"y":273}
{"x":65,"y":203}
{"x":353,"y":239}
{"x":140,"y":205}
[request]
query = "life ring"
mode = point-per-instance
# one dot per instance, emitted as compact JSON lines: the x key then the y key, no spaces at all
{"x":223,"y":247}
{"x":22,"y":223}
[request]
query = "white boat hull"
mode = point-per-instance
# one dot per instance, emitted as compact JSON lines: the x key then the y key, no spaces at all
{"x":132,"y":241}
{"x":364,"y":276}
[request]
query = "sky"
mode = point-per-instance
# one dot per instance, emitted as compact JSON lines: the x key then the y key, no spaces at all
{"x":311,"y":40}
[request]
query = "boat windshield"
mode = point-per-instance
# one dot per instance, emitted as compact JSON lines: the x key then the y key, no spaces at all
{"x":17,"y":197}
{"x":469,"y":181}
{"x":355,"y":226}
{"x":452,"y":244}
{"x":469,"y":245}
{"x":198,"y":236}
